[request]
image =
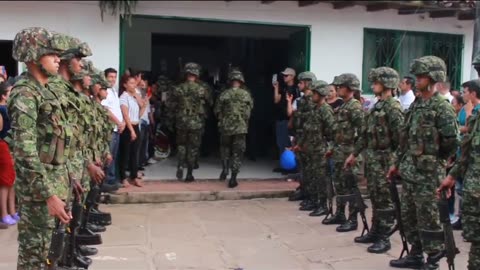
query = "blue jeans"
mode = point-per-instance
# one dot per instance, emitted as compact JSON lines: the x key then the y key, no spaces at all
{"x":111,"y":169}
{"x":281,"y":131}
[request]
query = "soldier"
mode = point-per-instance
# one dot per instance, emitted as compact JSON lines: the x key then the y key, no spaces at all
{"x":304,"y":107}
{"x":233,"y":108}
{"x":467,"y":168}
{"x":380,"y":140}
{"x":40,"y":145}
{"x":349,"y":125}
{"x":429,"y":138}
{"x":188,"y":106}
{"x":313,"y":144}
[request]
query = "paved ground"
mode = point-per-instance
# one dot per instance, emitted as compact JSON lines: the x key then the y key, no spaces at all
{"x":221,"y":235}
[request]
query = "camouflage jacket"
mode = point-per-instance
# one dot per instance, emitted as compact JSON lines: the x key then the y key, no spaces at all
{"x":188,"y":103}
{"x":317,"y":129}
{"x":233,"y":108}
{"x":304,"y":106}
{"x":430,"y":131}
{"x":349,"y":124}
{"x":102,"y":129}
{"x":41,"y":139}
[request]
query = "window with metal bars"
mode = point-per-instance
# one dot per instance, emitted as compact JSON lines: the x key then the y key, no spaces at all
{"x":396,"y":49}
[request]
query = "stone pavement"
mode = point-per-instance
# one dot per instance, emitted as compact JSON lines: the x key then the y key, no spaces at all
{"x":258,"y":234}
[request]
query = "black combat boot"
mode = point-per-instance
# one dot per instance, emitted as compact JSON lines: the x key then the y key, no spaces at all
{"x":82,"y":261}
{"x":381,"y":245}
{"x":370,"y":237}
{"x":338,"y":217}
{"x":297,"y":195}
{"x":321,"y":210}
{"x":189,"y":177}
{"x":87,"y":251}
{"x":179,"y":173}
{"x":309,"y":205}
{"x":350,"y":225}
{"x":432,"y":261}
{"x":414,"y":260}
{"x":196,"y":166}
{"x":96,"y":228}
{"x":233,"y":180}
{"x":224,"y":174}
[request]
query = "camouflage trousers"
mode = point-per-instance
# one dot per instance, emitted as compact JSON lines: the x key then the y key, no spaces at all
{"x":232,"y":148}
{"x":420,"y":180}
{"x":376,"y":168}
{"x":188,"y":146}
{"x":314,"y":174}
{"x":34,"y":235}
{"x":301,"y":160}
{"x":471,"y":221}
{"x":340,"y":154}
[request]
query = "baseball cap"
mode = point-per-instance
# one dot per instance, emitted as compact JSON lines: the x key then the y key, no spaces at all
{"x":289,"y":71}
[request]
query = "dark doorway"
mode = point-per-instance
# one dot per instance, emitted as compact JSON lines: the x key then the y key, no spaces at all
{"x":6,"y":58}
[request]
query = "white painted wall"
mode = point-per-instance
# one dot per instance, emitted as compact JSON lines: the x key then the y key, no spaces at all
{"x":337,"y":35}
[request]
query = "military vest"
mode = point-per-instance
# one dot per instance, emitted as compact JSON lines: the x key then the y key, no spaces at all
{"x":315,"y":128}
{"x":190,"y":102}
{"x":233,"y":108}
{"x":304,"y":106}
{"x":379,"y":132}
{"x":344,"y":132}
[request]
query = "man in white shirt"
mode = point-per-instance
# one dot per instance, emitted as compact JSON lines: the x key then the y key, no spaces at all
{"x":406,"y":93}
{"x":112,"y":103}
{"x":444,"y":90}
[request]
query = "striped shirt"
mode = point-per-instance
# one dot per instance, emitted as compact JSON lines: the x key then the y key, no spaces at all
{"x":132,"y":106}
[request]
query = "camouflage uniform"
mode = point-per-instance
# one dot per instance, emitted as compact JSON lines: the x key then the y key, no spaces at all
{"x":429,"y":138}
{"x":319,"y":122}
{"x":468,"y":168}
{"x":188,"y":102}
{"x":349,"y":124}
{"x":381,"y":140}
{"x":233,"y":108}
{"x":41,"y":144}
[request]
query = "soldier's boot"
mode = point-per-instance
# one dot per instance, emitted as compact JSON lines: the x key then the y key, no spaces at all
{"x":196,"y":166}
{"x":338,"y":217}
{"x":432,"y":261}
{"x":309,"y":205}
{"x":87,"y":251}
{"x":321,"y":209}
{"x":225,"y":172}
{"x":414,"y":260}
{"x":297,"y":195}
{"x":350,"y":225}
{"x":381,"y":245}
{"x":305,"y":200}
{"x":189,"y":177}
{"x":370,"y":237}
{"x":179,"y":173}
{"x":96,"y":228}
{"x":233,"y":180}
{"x":82,"y":261}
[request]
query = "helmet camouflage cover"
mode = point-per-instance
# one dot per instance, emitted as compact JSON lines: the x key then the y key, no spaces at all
{"x":236,"y":75}
{"x":192,"y":68}
{"x":432,"y":66}
{"x":76,"y":48}
{"x":32,"y":43}
{"x":320,"y":87}
{"x":307,"y":76}
{"x":99,"y":78}
{"x":349,"y":80}
{"x":387,"y":76}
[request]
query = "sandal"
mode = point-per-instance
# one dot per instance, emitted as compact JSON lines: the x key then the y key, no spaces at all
{"x":125,"y":183}
{"x":137,"y":182}
{"x":140,"y":175}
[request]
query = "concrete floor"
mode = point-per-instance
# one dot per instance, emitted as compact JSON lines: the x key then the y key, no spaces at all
{"x":221,"y":235}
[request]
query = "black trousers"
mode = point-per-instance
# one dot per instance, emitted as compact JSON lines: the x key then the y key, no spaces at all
{"x":129,"y":153}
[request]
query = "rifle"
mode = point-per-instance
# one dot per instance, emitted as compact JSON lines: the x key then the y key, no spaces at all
{"x":450,"y":248}
{"x":330,"y":191}
{"x":57,"y":243}
{"x":356,"y":197}
{"x":398,"y":213}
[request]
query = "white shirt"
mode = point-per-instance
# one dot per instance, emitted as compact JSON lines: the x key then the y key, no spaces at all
{"x":448,"y":96}
{"x":132,"y":106}
{"x":112,"y":103}
{"x":407,"y":99}
{"x":145,"y":114}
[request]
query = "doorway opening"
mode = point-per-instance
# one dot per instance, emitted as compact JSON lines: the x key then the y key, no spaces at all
{"x":6,"y":59}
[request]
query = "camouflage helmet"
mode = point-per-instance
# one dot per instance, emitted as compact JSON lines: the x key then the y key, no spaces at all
{"x":34,"y":42}
{"x":236,"y":75}
{"x":99,"y":78}
{"x":88,"y":66}
{"x":349,"y":80}
{"x":79,"y":76}
{"x":192,"y":68}
{"x":76,"y":49}
{"x":387,"y":76}
{"x":432,"y":66}
{"x":307,"y":76}
{"x":320,"y":87}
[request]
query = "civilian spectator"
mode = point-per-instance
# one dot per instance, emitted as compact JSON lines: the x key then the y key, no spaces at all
{"x":406,"y":96}
{"x":456,"y":93}
{"x":145,"y":119}
{"x":132,"y":106}
{"x":2,"y":78}
{"x":444,"y":89}
{"x":7,"y":171}
{"x":282,"y":113}
{"x":332,"y":99}
{"x":112,"y":103}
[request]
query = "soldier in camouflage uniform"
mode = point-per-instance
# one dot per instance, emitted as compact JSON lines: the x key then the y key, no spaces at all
{"x":467,"y":168}
{"x":39,"y":139}
{"x":188,"y":103}
{"x":233,"y":108}
{"x":313,"y":145}
{"x":349,"y":124}
{"x":304,"y":106}
{"x":429,"y":138}
{"x":380,"y":140}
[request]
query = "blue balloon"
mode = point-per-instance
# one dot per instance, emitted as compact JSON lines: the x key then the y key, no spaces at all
{"x":288,"y":160}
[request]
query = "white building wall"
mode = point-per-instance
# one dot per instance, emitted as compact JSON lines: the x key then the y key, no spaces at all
{"x":337,"y":35}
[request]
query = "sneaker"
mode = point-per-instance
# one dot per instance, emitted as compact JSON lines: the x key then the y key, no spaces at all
{"x":152,"y":161}
{"x":16,"y":217}
{"x":9,"y":220}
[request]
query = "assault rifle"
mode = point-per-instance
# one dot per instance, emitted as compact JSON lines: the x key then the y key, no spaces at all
{"x":330,"y":191}
{"x":356,"y":198}
{"x":450,"y":248}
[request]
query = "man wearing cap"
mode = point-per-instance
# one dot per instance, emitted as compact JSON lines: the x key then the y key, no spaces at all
{"x":281,"y":112}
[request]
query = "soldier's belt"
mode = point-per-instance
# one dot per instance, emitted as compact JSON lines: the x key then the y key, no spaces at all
{"x":433,"y":235}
